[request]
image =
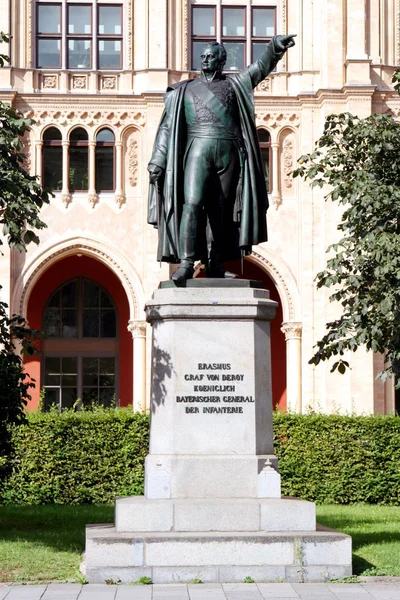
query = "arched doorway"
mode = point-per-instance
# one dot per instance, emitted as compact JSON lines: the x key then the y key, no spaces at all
{"x":87,"y":347}
{"x":278,"y":343}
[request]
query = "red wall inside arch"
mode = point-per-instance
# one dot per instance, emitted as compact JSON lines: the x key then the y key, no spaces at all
{"x":58,"y":273}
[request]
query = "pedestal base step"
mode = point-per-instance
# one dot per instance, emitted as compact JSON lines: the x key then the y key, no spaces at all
{"x":216,"y":557}
{"x":138,"y":513}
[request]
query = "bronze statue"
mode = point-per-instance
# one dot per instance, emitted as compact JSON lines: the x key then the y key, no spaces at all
{"x":208,"y":196}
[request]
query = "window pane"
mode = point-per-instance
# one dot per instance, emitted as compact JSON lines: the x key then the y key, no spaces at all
{"x":78,"y":135}
{"x":90,"y":396}
{"x":109,"y":54}
{"x":110,"y":20}
{"x":105,"y":300}
{"x":91,"y":323}
{"x":107,"y":397}
{"x":52,"y":371}
{"x":79,"y":19}
{"x":258,"y":49}
{"x":49,"y":18}
{"x":233,"y":21}
{"x":68,"y":397}
{"x":52,"y":322}
{"x":69,"y":295}
{"x":265,"y":164}
{"x":52,"y":398}
{"x":90,"y":368}
{"x":52,"y":167}
{"x":107,"y":324}
{"x":264,"y":22}
{"x":104,"y":168}
{"x":78,"y":168}
{"x":49,"y":54}
{"x":90,"y":294}
{"x":52,"y":134}
{"x":203,"y":21}
{"x":69,"y":326}
{"x":235,"y":51}
{"x":54,"y":300}
{"x":79,"y":53}
{"x":263,"y":136}
{"x":105,"y":135}
{"x":69,"y":372}
{"x":107,"y":367}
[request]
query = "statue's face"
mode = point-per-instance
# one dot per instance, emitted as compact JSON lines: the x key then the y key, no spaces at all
{"x":210,"y":60}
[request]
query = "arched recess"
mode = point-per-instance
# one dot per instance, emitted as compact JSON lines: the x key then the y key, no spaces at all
{"x":69,"y":258}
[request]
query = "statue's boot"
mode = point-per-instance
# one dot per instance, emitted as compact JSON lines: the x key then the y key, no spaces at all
{"x":215,"y":268}
{"x":187,"y":242}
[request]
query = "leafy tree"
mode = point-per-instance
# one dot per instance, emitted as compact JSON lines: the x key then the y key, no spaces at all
{"x":359,"y":160}
{"x":21,"y":198}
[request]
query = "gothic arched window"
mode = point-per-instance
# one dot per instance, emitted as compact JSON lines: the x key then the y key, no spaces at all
{"x":78,"y":160}
{"x":52,"y":159}
{"x":105,"y":172}
{"x":81,"y":347}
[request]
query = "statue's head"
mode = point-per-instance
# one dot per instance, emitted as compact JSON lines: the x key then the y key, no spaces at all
{"x":213,"y":57}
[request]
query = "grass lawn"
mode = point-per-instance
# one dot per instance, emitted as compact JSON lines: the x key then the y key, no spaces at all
{"x":45,"y":542}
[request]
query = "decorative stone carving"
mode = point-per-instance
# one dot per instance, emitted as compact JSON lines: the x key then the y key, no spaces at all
{"x":26,"y":150}
{"x":66,"y":199}
{"x":287,"y":162}
{"x":133,"y":162}
{"x":277,"y":120}
{"x":185,"y":35}
{"x":292,"y":330}
{"x":131,"y":155}
{"x":88,"y":115}
{"x":137,"y":328}
{"x":93,"y":199}
{"x":120,"y":199}
{"x":264,"y":86}
{"x":108,"y":83}
{"x":79,"y":82}
{"x":49,"y":82}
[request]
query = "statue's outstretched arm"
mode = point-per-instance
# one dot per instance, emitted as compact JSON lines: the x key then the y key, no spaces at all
{"x":274,"y":51}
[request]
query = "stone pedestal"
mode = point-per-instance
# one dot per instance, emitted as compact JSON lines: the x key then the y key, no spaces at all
{"x":212,"y":508}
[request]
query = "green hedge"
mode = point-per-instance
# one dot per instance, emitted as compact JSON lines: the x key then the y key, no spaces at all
{"x":91,"y":457}
{"x":77,"y":457}
{"x":339,"y":459}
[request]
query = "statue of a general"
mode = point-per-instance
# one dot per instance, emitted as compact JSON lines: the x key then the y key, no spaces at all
{"x":208,"y":196}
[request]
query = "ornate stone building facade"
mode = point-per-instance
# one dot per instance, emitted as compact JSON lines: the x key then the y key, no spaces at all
{"x":92,"y":76}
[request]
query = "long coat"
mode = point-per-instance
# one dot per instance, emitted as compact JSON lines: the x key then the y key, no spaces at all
{"x":166,"y":195}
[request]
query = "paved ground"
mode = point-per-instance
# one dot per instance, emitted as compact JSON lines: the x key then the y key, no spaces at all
{"x":229,"y":591}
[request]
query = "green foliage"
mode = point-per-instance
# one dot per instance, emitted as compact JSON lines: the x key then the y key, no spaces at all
{"x":93,"y":456}
{"x":339,"y":459}
{"x":77,"y":457}
{"x":358,"y":160}
{"x":21,"y":199}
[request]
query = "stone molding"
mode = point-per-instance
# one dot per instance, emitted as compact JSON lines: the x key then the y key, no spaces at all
{"x":282,"y":278}
{"x":292,"y":330}
{"x":137,"y":329}
{"x":95,"y":249}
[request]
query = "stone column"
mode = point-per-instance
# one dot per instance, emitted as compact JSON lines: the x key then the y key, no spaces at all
{"x":92,"y":195}
{"x":138,"y":331}
{"x":119,"y":193}
{"x":292,"y":331}
{"x":65,"y":195}
{"x":275,"y":194}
